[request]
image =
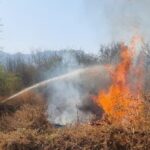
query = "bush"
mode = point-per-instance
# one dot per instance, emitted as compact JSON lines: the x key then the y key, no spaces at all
{"x":9,"y":83}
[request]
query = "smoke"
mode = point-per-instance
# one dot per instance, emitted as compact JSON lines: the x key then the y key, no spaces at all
{"x":122,"y":18}
{"x":69,"y":100}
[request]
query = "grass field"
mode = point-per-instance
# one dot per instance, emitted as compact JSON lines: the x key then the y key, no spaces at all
{"x":24,"y":126}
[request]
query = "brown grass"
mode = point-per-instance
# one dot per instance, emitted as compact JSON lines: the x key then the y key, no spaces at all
{"x":27,"y":128}
{"x":28,"y":113}
{"x":75,"y":138}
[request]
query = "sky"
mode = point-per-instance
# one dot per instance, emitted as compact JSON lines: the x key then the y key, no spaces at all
{"x":62,"y":24}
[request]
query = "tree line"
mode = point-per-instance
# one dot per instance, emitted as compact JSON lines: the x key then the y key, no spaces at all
{"x":20,"y":72}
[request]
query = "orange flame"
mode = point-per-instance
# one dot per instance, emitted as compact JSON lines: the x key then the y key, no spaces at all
{"x":121,"y":102}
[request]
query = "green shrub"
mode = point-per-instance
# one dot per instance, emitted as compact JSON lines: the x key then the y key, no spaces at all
{"x":9,"y":82}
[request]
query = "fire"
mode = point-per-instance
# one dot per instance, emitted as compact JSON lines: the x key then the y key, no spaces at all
{"x":122,"y":102}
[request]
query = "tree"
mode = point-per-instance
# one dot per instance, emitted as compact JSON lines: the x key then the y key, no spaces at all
{"x":109,"y":54}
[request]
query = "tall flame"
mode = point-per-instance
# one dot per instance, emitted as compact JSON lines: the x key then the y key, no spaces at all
{"x":121,"y":102}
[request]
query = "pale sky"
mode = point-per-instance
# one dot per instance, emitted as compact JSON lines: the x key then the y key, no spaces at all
{"x":56,"y":24}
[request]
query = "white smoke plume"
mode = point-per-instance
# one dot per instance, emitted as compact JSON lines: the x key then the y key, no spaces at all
{"x":69,"y":99}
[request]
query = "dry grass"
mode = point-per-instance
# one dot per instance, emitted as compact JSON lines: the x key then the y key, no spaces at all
{"x":28,"y":113}
{"x":26,"y":128}
{"x":87,"y":137}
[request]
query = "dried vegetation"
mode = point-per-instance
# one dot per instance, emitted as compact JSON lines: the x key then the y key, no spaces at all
{"x":25,"y":127}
